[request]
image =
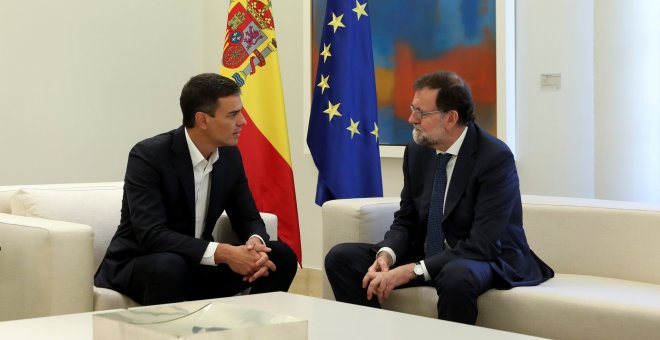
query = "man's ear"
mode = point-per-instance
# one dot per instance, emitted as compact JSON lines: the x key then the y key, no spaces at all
{"x":200,"y":119}
{"x":452,"y":119}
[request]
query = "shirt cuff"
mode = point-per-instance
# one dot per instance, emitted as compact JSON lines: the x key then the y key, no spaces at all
{"x":259,"y":237}
{"x":208,"y":259}
{"x":389,"y":251}
{"x":427,"y":276}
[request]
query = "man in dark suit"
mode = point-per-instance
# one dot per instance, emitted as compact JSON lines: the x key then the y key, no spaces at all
{"x":463,"y":240}
{"x":176,"y":186}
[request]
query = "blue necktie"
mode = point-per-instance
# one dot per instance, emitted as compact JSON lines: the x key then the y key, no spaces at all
{"x":435,"y":238}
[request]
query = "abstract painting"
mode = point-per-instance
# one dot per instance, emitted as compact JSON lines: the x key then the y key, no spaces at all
{"x":414,"y":37}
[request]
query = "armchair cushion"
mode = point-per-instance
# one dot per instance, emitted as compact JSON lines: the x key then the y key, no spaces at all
{"x":6,"y":193}
{"x":96,"y":204}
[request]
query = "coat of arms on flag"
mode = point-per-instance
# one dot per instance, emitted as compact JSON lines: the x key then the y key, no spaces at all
{"x":247,"y":38}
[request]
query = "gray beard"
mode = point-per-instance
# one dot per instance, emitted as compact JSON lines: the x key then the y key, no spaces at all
{"x":421,"y":139}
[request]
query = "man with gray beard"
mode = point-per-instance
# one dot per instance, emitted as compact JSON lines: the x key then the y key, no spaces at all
{"x":459,"y":226}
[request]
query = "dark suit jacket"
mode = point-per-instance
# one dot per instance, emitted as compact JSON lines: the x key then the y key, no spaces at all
{"x":483,"y":211}
{"x":158,"y":207}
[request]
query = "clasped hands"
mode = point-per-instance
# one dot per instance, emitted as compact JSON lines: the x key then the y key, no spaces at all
{"x":250,"y":260}
{"x":380,"y":280}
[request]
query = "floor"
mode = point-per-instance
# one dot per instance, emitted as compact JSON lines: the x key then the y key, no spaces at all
{"x":307,"y":282}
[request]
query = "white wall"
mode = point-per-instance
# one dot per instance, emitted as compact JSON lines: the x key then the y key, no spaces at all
{"x":627,"y":99}
{"x":599,"y":134}
{"x":82,"y":81}
{"x":554,"y":128}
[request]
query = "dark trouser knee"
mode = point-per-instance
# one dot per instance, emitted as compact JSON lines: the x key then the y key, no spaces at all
{"x":345,"y":265}
{"x":459,"y":284}
{"x":286,"y":264}
{"x":335,"y":260}
{"x":283,"y":255}
{"x":159,"y":278}
{"x":456,"y":281}
{"x":338,"y":264}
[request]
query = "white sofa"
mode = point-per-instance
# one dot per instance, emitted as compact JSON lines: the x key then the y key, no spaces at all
{"x":52,"y":239}
{"x":605,"y":254}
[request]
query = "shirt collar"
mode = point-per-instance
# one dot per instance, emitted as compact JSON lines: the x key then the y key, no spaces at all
{"x":454,"y":148}
{"x":195,"y":156}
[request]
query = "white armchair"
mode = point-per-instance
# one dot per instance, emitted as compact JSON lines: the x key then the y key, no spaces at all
{"x":52,"y":240}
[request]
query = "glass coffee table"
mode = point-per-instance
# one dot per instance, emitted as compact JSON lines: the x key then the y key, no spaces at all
{"x":326,"y":320}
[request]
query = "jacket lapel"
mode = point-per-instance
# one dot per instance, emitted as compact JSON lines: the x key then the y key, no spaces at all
{"x":183,"y":167}
{"x":462,"y":170}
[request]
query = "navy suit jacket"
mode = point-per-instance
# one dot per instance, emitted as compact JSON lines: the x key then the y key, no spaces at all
{"x":483,"y":211}
{"x":158,"y":206}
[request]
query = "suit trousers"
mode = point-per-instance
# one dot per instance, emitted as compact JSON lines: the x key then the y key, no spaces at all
{"x":458,"y":284}
{"x":167,"y":277}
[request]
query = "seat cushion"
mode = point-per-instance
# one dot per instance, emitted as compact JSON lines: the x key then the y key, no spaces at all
{"x":565,"y":307}
{"x":577,"y":307}
{"x":109,"y":299}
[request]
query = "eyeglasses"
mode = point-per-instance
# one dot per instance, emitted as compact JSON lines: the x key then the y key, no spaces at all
{"x":419,"y":114}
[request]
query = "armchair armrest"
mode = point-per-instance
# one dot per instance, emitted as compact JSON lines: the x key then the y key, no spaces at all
{"x":46,"y":267}
{"x":225,"y":234}
{"x":355,"y":220}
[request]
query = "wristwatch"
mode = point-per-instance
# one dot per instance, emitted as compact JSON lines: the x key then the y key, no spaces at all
{"x":419,"y":271}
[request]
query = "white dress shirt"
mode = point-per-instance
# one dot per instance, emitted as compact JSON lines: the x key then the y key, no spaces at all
{"x":201,"y":173}
{"x":201,"y":170}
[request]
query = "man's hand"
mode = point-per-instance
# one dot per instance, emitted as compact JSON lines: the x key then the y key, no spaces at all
{"x":382,"y":264}
{"x":264,"y":263}
{"x":250,"y":260}
{"x":382,"y":283}
{"x":240,"y":259}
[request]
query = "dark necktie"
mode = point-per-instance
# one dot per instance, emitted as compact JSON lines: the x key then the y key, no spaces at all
{"x":435,"y":237}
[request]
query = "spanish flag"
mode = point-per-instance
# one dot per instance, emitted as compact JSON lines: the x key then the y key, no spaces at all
{"x":250,"y":58}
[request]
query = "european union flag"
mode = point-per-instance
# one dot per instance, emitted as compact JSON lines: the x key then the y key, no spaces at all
{"x":343,"y":124}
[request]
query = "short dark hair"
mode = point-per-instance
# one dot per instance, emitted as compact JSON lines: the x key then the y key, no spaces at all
{"x":201,"y":93}
{"x":454,"y":93}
